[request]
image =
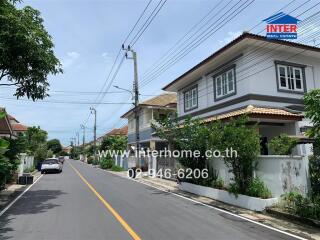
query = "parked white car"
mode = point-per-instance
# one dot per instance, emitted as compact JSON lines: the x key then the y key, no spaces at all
{"x":51,"y":165}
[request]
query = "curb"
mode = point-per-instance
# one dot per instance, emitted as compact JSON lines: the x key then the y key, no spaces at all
{"x":292,"y":217}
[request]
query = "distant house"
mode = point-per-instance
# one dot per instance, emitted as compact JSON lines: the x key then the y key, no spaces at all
{"x":5,"y":126}
{"x":150,"y":110}
{"x":10,"y":126}
{"x":118,"y":131}
{"x":17,"y":127}
{"x":262,"y":78}
{"x":123,"y":131}
{"x":67,"y":149}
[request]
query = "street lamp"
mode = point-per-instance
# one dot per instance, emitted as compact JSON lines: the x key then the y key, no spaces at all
{"x":131,"y":92}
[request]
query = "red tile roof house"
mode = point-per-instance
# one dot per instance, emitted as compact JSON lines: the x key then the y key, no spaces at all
{"x":114,"y":132}
{"x":10,"y":126}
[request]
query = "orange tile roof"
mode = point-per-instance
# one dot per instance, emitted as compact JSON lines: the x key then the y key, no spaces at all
{"x":19,"y":127}
{"x":255,"y":111}
{"x":118,"y":131}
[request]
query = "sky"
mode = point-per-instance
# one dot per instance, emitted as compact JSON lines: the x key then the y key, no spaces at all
{"x":88,"y":35}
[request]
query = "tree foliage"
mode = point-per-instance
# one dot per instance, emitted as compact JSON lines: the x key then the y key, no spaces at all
{"x":235,"y":135}
{"x":312,"y":111}
{"x":114,"y":143}
{"x":192,"y":135}
{"x":282,"y":145}
{"x":54,"y":145}
{"x":35,"y":137}
{"x":245,"y":140}
{"x":26,"y":51}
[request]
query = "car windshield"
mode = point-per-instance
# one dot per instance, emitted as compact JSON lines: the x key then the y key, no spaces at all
{"x":50,"y":161}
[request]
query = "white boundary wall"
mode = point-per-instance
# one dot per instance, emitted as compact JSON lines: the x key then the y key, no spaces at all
{"x":281,"y":174}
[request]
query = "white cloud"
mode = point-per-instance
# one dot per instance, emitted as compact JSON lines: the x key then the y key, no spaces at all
{"x":231,"y":36}
{"x":70,"y":59}
{"x":106,"y":55}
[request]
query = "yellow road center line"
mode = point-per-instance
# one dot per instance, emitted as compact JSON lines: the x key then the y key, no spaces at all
{"x":124,"y":224}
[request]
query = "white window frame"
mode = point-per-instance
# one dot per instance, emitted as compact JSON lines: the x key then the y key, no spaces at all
{"x":291,"y":79}
{"x":222,"y":87}
{"x":190,"y":98}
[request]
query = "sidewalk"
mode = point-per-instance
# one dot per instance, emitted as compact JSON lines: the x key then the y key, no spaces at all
{"x":12,"y":191}
{"x":289,"y":226}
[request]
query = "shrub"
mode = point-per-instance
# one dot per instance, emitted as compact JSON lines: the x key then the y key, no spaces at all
{"x":29,"y":170}
{"x":106,"y":163}
{"x":90,"y":159}
{"x":258,"y":189}
{"x":282,"y":145}
{"x":218,"y":183}
{"x":116,"y":168}
{"x":295,"y":203}
{"x":234,"y":189}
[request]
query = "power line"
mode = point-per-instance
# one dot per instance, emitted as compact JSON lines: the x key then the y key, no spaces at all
{"x":191,"y":46}
{"x":169,"y":64}
{"x":146,"y":24}
{"x":64,"y":102}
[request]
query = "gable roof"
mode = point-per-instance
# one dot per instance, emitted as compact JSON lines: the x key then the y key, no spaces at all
{"x":281,"y":18}
{"x":5,"y":126}
{"x":166,"y":100}
{"x":236,"y":41}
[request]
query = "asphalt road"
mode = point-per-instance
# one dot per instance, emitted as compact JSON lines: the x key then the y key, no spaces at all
{"x":99,"y":205}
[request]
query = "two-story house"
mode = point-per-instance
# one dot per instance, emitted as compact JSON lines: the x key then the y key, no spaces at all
{"x":150,"y":110}
{"x":265,"y":79}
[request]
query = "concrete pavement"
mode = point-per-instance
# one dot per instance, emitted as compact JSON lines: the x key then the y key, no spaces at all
{"x":62,"y":206}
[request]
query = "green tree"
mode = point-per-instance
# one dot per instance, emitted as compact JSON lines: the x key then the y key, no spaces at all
{"x":54,"y":145}
{"x":114,"y":143}
{"x":312,"y":106}
{"x":40,"y":153}
{"x":245,"y":142}
{"x":282,"y":145}
{"x":5,"y":165}
{"x":35,"y":136}
{"x":26,"y":51}
{"x":191,"y":135}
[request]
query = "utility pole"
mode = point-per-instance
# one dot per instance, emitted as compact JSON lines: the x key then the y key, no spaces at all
{"x":94,"y":111}
{"x":136,"y":94}
{"x":83,"y":135}
{"x":73,"y":143}
{"x":77,"y":134}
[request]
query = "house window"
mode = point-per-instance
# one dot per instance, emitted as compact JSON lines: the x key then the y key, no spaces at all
{"x":191,"y":98}
{"x":225,"y":84}
{"x":290,"y":78}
